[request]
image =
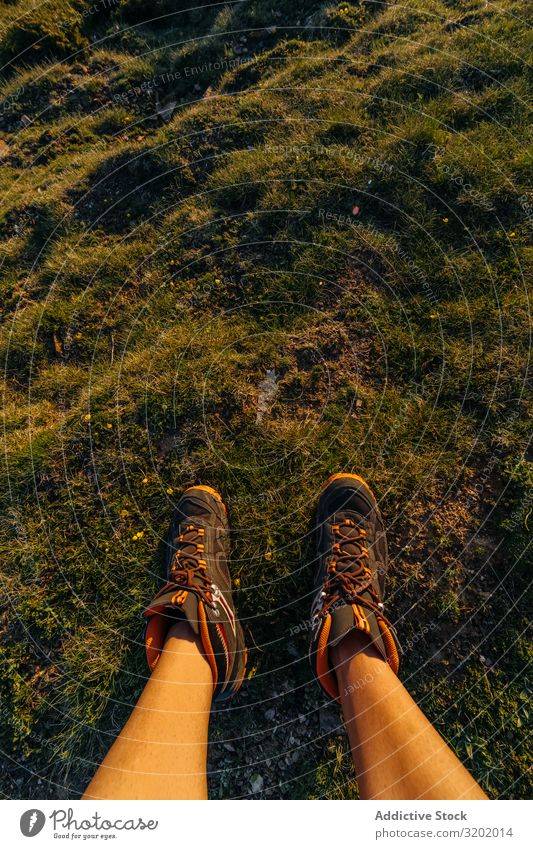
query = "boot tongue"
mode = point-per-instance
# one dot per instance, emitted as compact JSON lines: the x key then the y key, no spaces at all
{"x":187,"y":548}
{"x":188,"y":610}
{"x":352,"y":549}
{"x":187,"y":551}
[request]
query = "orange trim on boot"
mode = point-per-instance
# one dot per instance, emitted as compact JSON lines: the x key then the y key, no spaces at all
{"x":324,"y":674}
{"x":154,"y":639}
{"x":238,"y":687}
{"x":206,"y":643}
{"x":390,"y":646}
{"x":211,"y":491}
{"x":338,"y":475}
{"x":361,"y":622}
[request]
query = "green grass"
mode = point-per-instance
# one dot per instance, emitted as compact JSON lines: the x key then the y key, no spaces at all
{"x":177,"y":219}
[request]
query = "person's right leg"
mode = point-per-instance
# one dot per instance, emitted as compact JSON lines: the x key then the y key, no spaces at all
{"x":397,"y":753}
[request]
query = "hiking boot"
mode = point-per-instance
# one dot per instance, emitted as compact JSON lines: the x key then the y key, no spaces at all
{"x":198,"y":589}
{"x":350,"y":577}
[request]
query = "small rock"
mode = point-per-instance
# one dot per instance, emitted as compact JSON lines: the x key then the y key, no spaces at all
{"x":165,"y":111}
{"x":25,"y":120}
{"x":229,"y":747}
{"x":270,"y":714}
{"x":257,"y":783}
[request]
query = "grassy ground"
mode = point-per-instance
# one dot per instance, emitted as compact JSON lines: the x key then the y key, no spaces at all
{"x":252,"y":244}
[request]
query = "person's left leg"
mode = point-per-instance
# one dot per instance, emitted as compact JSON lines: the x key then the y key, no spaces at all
{"x":161,"y":751}
{"x":397,"y":753}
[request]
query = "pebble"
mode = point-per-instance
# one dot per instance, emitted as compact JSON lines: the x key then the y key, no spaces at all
{"x":257,"y":783}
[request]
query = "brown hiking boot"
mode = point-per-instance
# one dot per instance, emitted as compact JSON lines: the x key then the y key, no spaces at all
{"x":350,"y":576}
{"x":198,"y":589}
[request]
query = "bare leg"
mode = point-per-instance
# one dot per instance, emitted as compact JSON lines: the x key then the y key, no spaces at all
{"x":161,"y":751}
{"x":397,"y":753}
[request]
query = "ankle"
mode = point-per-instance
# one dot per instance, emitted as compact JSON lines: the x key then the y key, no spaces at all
{"x":356,"y":663}
{"x":353,"y":644}
{"x":182,"y":658}
{"x":179,"y":630}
